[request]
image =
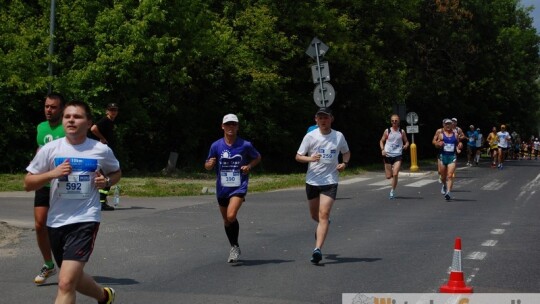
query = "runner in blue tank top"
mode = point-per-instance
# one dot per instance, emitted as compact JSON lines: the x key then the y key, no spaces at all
{"x":447,"y":141}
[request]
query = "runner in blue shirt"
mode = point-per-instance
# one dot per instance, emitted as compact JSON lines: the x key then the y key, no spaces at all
{"x":234,"y":157}
{"x":472,"y":136}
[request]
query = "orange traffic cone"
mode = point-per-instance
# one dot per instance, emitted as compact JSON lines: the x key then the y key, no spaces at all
{"x":456,"y":282}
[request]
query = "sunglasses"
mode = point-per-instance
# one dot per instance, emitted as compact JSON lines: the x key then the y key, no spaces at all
{"x":231,"y":123}
{"x":395,"y":120}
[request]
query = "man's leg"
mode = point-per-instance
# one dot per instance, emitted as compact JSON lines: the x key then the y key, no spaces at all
{"x":395,"y":173}
{"x":72,"y":279}
{"x":42,"y":235}
{"x":324,"y":206}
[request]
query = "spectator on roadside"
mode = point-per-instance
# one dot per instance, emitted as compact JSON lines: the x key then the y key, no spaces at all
{"x":103,"y":130}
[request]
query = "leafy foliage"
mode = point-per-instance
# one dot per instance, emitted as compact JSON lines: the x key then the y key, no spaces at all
{"x":176,"y":67}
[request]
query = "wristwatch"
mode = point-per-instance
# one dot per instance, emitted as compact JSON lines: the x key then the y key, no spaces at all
{"x":108,"y":180}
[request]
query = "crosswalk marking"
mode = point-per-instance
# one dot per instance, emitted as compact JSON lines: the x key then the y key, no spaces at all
{"x":354,"y":180}
{"x":421,"y":183}
{"x":381,"y":183}
{"x":494,"y":185}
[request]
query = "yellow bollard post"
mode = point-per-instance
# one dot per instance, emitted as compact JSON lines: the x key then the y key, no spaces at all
{"x":414,"y":165}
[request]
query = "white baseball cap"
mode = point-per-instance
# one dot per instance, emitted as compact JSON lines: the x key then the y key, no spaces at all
{"x":230,"y":117}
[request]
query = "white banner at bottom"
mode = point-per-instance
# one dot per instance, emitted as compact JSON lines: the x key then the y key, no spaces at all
{"x":440,"y":298}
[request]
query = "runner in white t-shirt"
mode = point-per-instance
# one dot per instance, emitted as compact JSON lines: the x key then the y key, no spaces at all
{"x":504,"y":142}
{"x":320,"y":148}
{"x":72,"y":166}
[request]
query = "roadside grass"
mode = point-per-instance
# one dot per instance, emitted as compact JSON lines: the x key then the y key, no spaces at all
{"x":190,"y":184}
{"x":183,"y":184}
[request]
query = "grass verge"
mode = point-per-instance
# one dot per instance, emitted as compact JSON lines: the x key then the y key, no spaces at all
{"x":184,"y":184}
{"x":188,"y":184}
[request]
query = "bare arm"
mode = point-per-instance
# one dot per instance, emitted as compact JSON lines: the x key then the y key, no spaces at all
{"x":245,"y":169}
{"x":34,"y":182}
{"x":436,"y":141}
{"x":405,"y":140}
{"x":382,"y":141}
{"x":95,"y":130}
{"x":344,"y":164}
{"x":307,"y":159}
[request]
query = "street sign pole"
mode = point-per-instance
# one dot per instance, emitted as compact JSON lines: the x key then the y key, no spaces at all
{"x":412,"y":119}
{"x":321,"y":87}
{"x":324,"y":93}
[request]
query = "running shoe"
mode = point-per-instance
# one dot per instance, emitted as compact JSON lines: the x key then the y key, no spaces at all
{"x":443,"y":189}
{"x":110,"y":295}
{"x":392,"y":194}
{"x":234,"y":254}
{"x":44,"y":274}
{"x":316,"y":257}
{"x":447,"y":196}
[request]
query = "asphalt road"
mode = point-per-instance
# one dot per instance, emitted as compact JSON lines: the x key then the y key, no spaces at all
{"x":174,"y":250}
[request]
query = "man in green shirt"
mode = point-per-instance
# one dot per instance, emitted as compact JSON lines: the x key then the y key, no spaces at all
{"x":47,"y":131}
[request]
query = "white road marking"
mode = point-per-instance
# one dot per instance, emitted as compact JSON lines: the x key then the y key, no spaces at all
{"x":354,"y":180}
{"x":381,"y":183}
{"x":490,"y":243}
{"x":497,"y":231}
{"x":421,"y":183}
{"x":472,"y":275}
{"x":494,"y":185}
{"x":476,"y":255}
{"x":506,"y":223}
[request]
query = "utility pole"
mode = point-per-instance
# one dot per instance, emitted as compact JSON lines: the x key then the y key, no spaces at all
{"x":51,"y":44}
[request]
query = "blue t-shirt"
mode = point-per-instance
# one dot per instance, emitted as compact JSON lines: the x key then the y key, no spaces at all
{"x":472,"y":135}
{"x":230,"y":159}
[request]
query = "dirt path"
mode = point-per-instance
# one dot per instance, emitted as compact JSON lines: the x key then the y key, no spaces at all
{"x":9,"y":236}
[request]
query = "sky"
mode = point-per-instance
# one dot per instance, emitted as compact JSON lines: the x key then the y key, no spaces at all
{"x":536,"y":13}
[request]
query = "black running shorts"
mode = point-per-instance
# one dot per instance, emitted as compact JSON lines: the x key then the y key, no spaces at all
{"x":41,"y":197}
{"x":73,"y":242}
{"x":314,"y":191}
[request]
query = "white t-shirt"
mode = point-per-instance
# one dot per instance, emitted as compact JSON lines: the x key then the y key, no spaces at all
{"x":479,"y":140}
{"x":503,"y":139}
{"x":74,"y":198}
{"x":323,"y":172}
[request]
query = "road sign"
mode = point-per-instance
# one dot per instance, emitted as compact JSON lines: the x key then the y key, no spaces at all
{"x":327,"y":92}
{"x":412,"y":118}
{"x":316,"y":48}
{"x":412,"y":129}
{"x":324,"y":70}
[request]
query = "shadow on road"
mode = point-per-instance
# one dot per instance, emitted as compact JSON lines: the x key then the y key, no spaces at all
{"x":336,"y":259}
{"x":260,"y":262}
{"x":115,"y":281}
